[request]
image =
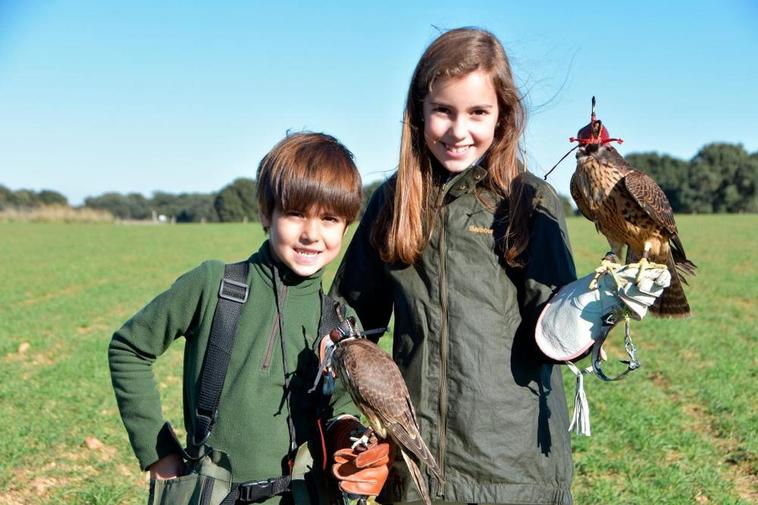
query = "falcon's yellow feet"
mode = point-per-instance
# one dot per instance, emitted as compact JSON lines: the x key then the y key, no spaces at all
{"x":607,"y":265}
{"x":644,"y":264}
{"x":641,"y":265}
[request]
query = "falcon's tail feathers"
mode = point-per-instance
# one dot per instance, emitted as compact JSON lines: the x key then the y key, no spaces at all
{"x":673,"y":302}
{"x":418,"y":479}
{"x":683,"y":265}
{"x":425,"y":456}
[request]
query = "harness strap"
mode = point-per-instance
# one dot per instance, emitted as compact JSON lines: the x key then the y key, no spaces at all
{"x":279,"y":293}
{"x":253,"y":491}
{"x":631,"y":365}
{"x":233,"y":293}
{"x":330,"y":315}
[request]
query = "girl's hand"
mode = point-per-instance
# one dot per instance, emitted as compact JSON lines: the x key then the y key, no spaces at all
{"x":168,"y":467}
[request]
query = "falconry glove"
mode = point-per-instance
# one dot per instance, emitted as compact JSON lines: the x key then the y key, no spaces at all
{"x":359,"y":472}
{"x":578,"y":318}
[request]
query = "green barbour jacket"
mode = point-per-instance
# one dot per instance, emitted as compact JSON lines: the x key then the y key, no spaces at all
{"x":252,"y":422}
{"x":491,"y":408}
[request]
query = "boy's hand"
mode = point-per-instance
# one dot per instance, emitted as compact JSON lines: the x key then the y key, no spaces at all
{"x":362,"y":473}
{"x":359,"y":471}
{"x":168,"y":467}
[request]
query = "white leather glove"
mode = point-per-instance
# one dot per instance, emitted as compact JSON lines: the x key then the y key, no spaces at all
{"x":577,"y":315}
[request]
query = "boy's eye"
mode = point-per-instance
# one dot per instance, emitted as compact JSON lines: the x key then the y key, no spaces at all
{"x":294,"y":213}
{"x":331,"y":219}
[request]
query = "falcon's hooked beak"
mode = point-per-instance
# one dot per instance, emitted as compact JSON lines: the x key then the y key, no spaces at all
{"x":588,"y":150}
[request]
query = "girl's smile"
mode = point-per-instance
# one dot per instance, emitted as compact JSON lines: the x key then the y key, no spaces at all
{"x":460,"y":115}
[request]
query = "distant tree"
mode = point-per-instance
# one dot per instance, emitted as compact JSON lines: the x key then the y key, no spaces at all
{"x":131,"y":206}
{"x":165,"y":203}
{"x":139,"y":206}
{"x":568,"y":208}
{"x":670,"y":173}
{"x":25,"y":198}
{"x":48,"y":197}
{"x":719,"y":178}
{"x":196,"y":208}
{"x":723,"y":178}
{"x":6,"y":197}
{"x":237,"y":201}
{"x":368,"y":191}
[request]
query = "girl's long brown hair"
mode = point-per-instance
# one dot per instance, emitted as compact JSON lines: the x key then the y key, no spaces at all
{"x":404,"y":225}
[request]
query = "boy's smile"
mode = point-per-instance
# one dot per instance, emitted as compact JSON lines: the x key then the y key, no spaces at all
{"x":305,"y":241}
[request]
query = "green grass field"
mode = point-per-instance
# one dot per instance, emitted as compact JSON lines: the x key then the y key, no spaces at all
{"x":681,"y":430}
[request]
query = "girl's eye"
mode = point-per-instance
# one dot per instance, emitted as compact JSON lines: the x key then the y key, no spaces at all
{"x":481,"y":112}
{"x":442,"y":110}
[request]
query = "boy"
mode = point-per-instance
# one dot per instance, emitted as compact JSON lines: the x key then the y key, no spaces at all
{"x":309,"y":191}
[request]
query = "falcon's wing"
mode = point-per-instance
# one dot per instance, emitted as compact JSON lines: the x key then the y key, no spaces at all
{"x":379,"y":391}
{"x":652,"y":199}
{"x":579,"y":199}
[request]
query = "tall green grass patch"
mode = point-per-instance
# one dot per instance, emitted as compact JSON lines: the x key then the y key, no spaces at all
{"x":682,"y":429}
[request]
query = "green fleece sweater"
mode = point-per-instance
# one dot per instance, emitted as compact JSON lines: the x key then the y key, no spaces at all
{"x":252,"y":425}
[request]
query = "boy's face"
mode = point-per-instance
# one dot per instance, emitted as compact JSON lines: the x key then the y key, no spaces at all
{"x":305,"y":241}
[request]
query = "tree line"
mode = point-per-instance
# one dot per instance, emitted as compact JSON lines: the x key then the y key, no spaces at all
{"x":719,"y":178}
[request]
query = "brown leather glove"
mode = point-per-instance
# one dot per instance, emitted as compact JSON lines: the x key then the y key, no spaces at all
{"x":360,"y":471}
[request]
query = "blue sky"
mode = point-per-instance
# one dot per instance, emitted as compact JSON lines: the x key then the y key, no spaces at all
{"x":185,"y":96}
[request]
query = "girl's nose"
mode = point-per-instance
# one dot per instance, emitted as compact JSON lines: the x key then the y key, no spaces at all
{"x":458,"y":129}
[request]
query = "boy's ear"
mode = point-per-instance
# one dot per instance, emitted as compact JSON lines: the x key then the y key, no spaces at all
{"x":265,"y":221}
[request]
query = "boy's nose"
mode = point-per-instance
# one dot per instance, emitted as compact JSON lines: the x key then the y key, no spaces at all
{"x":310,"y":230}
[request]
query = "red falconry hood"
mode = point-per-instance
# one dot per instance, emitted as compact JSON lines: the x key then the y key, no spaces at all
{"x":594,"y":133}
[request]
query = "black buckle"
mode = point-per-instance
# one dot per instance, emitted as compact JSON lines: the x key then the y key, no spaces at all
{"x":228,"y":292}
{"x":206,"y":423}
{"x":255,"y":490}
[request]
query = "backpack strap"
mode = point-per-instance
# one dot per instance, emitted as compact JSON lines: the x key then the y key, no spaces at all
{"x":232,"y":295}
{"x":332,"y":314}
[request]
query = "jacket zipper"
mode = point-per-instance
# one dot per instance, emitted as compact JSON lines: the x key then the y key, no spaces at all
{"x":272,"y":337}
{"x":443,"y":350}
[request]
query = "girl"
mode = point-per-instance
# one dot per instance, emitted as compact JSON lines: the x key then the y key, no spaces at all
{"x":464,"y":246}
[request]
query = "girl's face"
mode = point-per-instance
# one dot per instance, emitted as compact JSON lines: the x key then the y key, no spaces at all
{"x":460,"y":115}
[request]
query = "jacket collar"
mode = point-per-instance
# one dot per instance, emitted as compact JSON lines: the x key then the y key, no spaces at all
{"x":462,"y":182}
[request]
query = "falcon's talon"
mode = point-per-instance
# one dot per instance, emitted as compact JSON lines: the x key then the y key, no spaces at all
{"x":642,"y":265}
{"x":360,"y":444}
{"x":363,"y":442}
{"x":611,"y":256}
{"x":606,"y":267}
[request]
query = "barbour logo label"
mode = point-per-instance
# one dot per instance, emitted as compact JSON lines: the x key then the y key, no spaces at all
{"x":481,"y":230}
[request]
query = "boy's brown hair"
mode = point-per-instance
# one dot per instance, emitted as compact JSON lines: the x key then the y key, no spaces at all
{"x":309,"y":170}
